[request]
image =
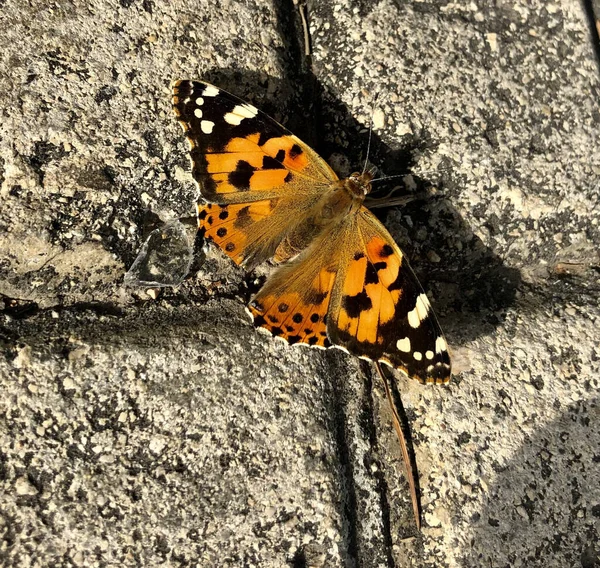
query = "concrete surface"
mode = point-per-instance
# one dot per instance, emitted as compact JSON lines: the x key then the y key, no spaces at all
{"x":142,"y":428}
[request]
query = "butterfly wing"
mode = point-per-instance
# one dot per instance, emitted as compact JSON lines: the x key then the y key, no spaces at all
{"x":353,"y":288}
{"x":294,"y":302}
{"x":242,"y":156}
{"x":378,"y":309}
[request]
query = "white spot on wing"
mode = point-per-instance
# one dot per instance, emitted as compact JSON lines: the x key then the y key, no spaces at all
{"x":420,"y":311}
{"x":413,"y":318}
{"x":199,"y":101}
{"x":198,"y":113}
{"x":308,"y":346}
{"x":429,"y":354}
{"x":418,"y":355}
{"x":210,"y":91}
{"x":233,"y":119}
{"x":207,"y":126}
{"x":440,"y":345}
{"x":239,"y":113}
{"x":403,"y":345}
{"x":245,"y":110}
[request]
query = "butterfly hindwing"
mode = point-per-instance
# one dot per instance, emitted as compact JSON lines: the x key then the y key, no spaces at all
{"x":294,"y":302}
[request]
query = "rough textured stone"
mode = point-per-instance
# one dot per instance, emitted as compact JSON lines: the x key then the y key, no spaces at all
{"x":146,"y":428}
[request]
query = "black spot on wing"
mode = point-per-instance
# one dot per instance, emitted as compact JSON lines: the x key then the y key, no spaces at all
{"x":243,"y":218}
{"x":355,"y":305}
{"x":371,"y":275}
{"x":259,"y":321}
{"x":264,"y":137}
{"x":272,"y":163}
{"x":409,"y":286}
{"x":295,"y":150}
{"x":260,"y":124}
{"x":317,"y":298}
{"x":240,"y":177}
{"x":386,"y":250}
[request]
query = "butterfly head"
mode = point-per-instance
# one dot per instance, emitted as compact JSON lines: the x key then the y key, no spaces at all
{"x":359,"y":184}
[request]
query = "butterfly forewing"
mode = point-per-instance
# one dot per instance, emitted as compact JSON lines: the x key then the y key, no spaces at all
{"x":239,"y":154}
{"x":379,"y":310}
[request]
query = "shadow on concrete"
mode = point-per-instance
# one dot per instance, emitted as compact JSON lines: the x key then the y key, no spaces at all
{"x":543,"y":509}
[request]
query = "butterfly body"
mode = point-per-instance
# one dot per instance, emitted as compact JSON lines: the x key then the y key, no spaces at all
{"x":343,"y":281}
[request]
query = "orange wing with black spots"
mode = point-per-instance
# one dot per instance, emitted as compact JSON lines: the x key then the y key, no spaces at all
{"x":379,"y":310}
{"x":294,"y":302}
{"x":298,"y":315}
{"x":241,"y":156}
{"x":238,"y":153}
{"x":228,"y":226}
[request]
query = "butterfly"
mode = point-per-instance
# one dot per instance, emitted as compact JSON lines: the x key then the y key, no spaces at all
{"x":342,"y":280}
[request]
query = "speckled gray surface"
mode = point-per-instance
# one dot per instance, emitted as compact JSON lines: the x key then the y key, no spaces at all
{"x":140,"y":429}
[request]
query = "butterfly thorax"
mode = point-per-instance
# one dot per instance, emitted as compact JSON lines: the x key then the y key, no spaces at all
{"x":343,"y":198}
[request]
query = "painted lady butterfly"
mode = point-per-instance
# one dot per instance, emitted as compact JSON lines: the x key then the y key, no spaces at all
{"x":344,"y":282}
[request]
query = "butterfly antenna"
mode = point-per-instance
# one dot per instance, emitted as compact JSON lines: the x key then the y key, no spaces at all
{"x":368,"y":147}
{"x":389,"y":177}
{"x":423,"y":173}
